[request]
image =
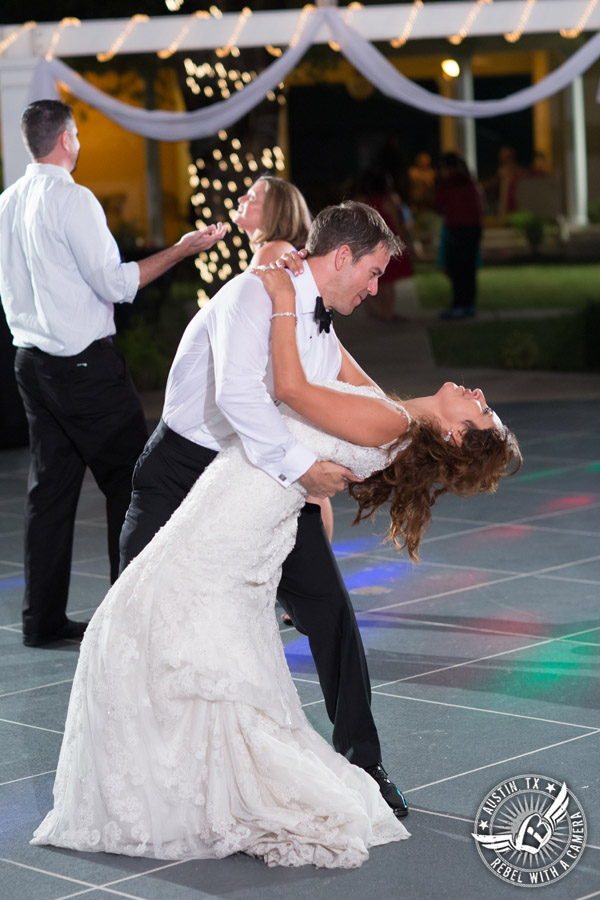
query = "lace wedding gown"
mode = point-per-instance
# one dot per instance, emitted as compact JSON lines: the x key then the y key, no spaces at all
{"x":185,"y":737}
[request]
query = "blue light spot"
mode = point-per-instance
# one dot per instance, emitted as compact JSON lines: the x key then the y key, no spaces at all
{"x":7,"y":583}
{"x":358,"y":545}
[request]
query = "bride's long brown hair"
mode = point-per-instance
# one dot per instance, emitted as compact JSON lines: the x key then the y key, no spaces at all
{"x":430,"y":467}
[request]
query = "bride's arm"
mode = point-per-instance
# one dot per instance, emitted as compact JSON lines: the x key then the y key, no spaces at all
{"x":369,"y":421}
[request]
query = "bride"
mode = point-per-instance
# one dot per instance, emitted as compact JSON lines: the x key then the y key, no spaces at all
{"x":185,"y":737}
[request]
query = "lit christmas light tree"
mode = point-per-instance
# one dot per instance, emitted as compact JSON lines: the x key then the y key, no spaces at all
{"x":225,"y":170}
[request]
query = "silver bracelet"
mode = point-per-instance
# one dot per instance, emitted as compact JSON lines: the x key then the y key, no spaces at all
{"x":274,"y":316}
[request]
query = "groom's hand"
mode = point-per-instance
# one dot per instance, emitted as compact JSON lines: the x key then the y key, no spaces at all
{"x":324,"y":479}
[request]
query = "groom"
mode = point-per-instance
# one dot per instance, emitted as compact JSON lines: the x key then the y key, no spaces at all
{"x":220,"y":384}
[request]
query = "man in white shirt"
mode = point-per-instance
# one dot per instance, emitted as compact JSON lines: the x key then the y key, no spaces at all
{"x":60,"y":274}
{"x":220,"y":384}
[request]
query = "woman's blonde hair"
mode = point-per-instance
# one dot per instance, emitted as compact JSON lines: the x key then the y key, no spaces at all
{"x":430,"y":467}
{"x":285,"y":215}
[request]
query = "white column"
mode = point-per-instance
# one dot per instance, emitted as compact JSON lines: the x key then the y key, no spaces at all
{"x":15,"y":81}
{"x":467,"y":126}
{"x":577,"y":180}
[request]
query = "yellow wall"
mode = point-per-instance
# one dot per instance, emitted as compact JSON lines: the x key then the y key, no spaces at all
{"x":113,"y":161}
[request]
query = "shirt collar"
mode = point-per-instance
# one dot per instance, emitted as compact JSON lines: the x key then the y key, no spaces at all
{"x":48,"y":169}
{"x":306,"y":291}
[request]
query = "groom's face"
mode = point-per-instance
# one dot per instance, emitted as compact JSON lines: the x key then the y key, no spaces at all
{"x":355,"y":280}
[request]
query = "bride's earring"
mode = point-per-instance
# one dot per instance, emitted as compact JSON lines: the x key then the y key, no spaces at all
{"x":449,"y":435}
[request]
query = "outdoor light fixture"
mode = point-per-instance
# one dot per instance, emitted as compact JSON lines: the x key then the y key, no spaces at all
{"x":451,"y":68}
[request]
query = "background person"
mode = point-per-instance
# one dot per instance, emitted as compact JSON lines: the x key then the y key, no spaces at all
{"x":60,"y":274}
{"x":458,"y":199}
{"x":378,"y":191}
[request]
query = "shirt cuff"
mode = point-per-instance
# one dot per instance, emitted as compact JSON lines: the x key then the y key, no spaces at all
{"x":294,"y":464}
{"x":131,"y":272}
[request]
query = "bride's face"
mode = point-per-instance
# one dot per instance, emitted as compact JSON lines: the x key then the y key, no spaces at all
{"x":248,"y":215}
{"x":459,"y":408}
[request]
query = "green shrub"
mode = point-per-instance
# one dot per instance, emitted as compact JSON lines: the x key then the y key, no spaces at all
{"x":520,"y":350}
{"x":594,"y":211}
{"x":531,"y":225}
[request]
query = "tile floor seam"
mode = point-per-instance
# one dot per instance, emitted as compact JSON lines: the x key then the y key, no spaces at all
{"x":494,"y":712}
{"x":524,"y":519}
{"x":514,"y":577}
{"x":170,"y":865}
{"x":501,"y":762}
{"x":27,"y":777}
{"x":90,"y":890}
{"x":571,"y":580}
{"x":35,"y":727}
{"x":440,"y":565}
{"x":80,"y":881}
{"x":483,"y":658}
{"x":442,"y":815}
{"x":37,"y":687}
{"x":472,"y":628}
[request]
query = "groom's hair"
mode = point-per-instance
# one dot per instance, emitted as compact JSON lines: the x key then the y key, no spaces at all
{"x":42,"y":123}
{"x":355,"y":224}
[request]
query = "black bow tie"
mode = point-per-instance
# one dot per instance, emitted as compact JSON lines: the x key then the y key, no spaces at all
{"x":322,"y":316}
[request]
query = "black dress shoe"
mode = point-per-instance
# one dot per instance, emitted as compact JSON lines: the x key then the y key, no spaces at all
{"x":390,"y":793}
{"x":70,"y":631}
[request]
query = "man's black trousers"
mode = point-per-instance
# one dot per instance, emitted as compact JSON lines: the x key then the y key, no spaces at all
{"x":82,"y":411}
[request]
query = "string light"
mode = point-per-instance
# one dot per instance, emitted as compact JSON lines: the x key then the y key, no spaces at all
{"x":304,"y":15}
{"x":350,"y":10}
{"x":118,"y":42}
{"x":67,"y":22}
{"x":231,"y":47}
{"x":231,"y":171}
{"x":575,"y":32}
{"x":274,"y":51}
{"x":462,"y":32}
{"x":408,"y":27}
{"x":173,"y":5}
{"x":174,"y":45}
{"x":513,"y":36}
{"x":15,"y":35}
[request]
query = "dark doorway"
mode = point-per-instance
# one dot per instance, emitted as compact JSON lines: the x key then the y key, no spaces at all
{"x":334,"y":137}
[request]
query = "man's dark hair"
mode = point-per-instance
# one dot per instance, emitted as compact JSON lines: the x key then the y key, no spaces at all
{"x":41,"y":125}
{"x":355,"y":224}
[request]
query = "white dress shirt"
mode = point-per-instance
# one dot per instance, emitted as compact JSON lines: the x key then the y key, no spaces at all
{"x":60,"y":267}
{"x":221,"y":382}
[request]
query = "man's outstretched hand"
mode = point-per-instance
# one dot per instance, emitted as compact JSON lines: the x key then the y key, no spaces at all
{"x":195,"y":241}
{"x":324,"y":479}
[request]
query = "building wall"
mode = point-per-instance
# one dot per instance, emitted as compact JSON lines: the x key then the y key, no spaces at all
{"x":113,"y":161}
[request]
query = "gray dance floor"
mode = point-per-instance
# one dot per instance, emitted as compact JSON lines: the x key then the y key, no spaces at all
{"x":484,"y":664}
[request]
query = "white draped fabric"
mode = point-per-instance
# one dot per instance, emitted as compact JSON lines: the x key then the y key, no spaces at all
{"x":174,"y":126}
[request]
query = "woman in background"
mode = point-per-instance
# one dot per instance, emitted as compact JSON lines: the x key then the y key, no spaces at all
{"x":458,"y":199}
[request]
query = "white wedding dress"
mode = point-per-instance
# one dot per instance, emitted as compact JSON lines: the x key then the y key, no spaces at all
{"x":185,"y":737}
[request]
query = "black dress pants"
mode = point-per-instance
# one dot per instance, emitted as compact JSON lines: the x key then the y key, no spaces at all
{"x":462,"y":248}
{"x":82,"y":411}
{"x":311,"y":590}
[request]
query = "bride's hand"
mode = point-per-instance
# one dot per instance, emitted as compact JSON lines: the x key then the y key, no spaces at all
{"x":292,"y":260}
{"x":278,"y":286}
